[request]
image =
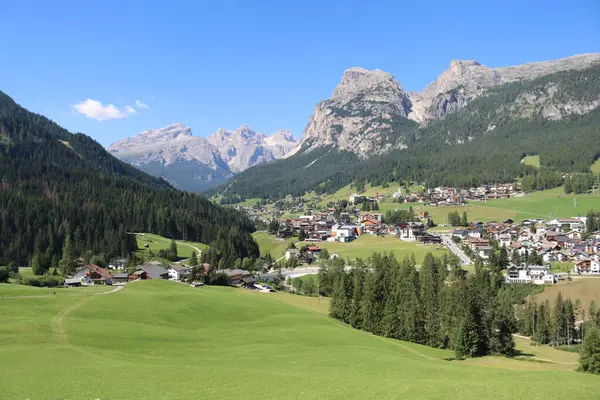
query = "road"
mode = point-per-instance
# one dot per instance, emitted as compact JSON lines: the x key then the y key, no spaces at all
{"x":456,"y":250}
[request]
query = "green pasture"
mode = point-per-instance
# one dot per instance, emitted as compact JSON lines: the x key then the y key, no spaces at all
{"x":271,"y":244}
{"x":534,"y":161}
{"x":156,"y":243}
{"x":164,"y":340}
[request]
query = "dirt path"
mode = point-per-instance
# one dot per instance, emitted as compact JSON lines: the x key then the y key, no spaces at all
{"x":58,"y":329}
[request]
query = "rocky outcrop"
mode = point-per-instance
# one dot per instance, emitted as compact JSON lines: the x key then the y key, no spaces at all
{"x":466,"y":80}
{"x":195,"y":163}
{"x":369,"y":113}
{"x":361,"y":115}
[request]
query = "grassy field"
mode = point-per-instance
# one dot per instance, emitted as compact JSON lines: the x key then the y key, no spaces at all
{"x":366,"y":245}
{"x":584,"y":289}
{"x":595,"y":168}
{"x":534,"y":161}
{"x":156,"y":243}
{"x":163,"y":340}
{"x":475,"y":211}
{"x":348,"y":190}
{"x":552,"y":202}
{"x":271,"y":244}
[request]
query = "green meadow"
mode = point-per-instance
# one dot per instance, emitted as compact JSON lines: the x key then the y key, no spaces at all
{"x":364,"y":246}
{"x":595,"y":168}
{"x":156,"y":243}
{"x":534,"y":161}
{"x":271,"y":244}
{"x":163,"y":340}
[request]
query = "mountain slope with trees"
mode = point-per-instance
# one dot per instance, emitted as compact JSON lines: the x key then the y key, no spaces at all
{"x":62,"y":195}
{"x":556,"y":116}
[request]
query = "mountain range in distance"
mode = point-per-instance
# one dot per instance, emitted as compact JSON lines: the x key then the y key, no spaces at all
{"x":194,"y":163}
{"x":369,"y":114}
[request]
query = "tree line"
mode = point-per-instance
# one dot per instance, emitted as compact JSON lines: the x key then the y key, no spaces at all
{"x":438,"y":305}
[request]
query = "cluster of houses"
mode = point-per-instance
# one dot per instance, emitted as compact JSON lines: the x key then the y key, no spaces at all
{"x":557,"y":240}
{"x":91,"y":274}
{"x":325,"y":227}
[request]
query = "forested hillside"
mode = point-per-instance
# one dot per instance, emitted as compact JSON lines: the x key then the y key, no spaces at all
{"x":556,"y":117}
{"x":62,"y":194}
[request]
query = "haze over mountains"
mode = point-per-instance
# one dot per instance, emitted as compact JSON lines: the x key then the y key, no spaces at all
{"x":195,"y":163}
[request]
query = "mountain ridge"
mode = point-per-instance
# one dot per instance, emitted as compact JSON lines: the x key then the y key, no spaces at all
{"x":194,"y":163}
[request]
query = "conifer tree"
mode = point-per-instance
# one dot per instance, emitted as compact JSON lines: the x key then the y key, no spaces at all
{"x":429,"y":281}
{"x":589,"y":360}
{"x":358,"y":278}
{"x":464,"y":220}
{"x":194,"y":259}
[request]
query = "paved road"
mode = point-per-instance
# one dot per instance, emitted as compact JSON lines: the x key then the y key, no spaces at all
{"x":456,"y":250}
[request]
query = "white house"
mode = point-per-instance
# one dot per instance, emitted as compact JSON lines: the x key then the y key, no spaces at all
{"x":178,"y":273}
{"x":292,"y":253}
{"x":535,"y":274}
{"x":345,"y":233}
{"x":504,"y":239}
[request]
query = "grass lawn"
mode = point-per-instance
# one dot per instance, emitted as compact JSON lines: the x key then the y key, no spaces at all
{"x":595,"y":168}
{"x":475,"y":211}
{"x":366,"y":245}
{"x":584,"y":289}
{"x":156,"y":243}
{"x":561,"y":266}
{"x":534,"y":161}
{"x":271,"y":244}
{"x":162,"y":340}
{"x":552,"y":202}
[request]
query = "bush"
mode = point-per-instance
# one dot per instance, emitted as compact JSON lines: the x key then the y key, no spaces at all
{"x":41,"y":281}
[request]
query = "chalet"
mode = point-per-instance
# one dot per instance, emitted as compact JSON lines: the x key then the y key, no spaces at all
{"x":430,"y":239}
{"x":177,"y":273}
{"x":474,"y":243}
{"x":583,"y":267}
{"x":412,"y":231}
{"x":77,"y":282}
{"x":151,"y":271}
{"x":356,"y":198}
{"x":535,"y":274}
{"x":98,"y":275}
{"x":292,"y":253}
{"x":120,"y":278}
{"x":238,"y":277}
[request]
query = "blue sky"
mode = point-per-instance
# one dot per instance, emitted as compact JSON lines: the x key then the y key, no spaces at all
{"x":262,"y":63}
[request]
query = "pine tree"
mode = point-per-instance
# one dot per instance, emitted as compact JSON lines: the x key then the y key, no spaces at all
{"x":503,"y":327}
{"x":589,"y":360}
{"x":428,"y":277}
{"x":194,"y":259}
{"x":173,"y":250}
{"x":543,"y":326}
{"x":37,"y":264}
{"x":558,"y":321}
{"x":464,"y":221}
{"x":66,"y":263}
{"x":358,"y":277}
{"x":503,"y":258}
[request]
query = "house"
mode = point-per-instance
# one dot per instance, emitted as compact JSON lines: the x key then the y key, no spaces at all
{"x":356,"y":198}
{"x":534,"y":274}
{"x":314,"y":250}
{"x":345,"y":233}
{"x":118,"y":264}
{"x":177,"y":273}
{"x":98,"y":275}
{"x":121,"y":278}
{"x":412,"y":231}
{"x":292,"y":253}
{"x":77,"y":282}
{"x":238,"y":277}
{"x":151,"y":271}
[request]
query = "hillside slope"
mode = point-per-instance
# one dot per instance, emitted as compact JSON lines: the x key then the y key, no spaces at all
{"x":58,"y":185}
{"x":156,"y":332}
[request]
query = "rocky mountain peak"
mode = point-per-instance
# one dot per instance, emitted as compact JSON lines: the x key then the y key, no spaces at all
{"x":357,"y":79}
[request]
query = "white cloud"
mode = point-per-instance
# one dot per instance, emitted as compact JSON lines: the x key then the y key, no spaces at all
{"x":96,"y":110}
{"x":141,"y":105}
{"x":130,"y":110}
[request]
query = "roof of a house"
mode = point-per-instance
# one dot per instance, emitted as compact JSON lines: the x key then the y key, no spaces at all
{"x":72,"y":280}
{"x":120,"y":276}
{"x":99,"y":270}
{"x":154,"y":271}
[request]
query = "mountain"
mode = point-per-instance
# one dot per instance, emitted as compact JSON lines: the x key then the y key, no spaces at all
{"x":195,"y":163}
{"x":244,"y":148}
{"x":472,"y":125}
{"x":370,"y":114}
{"x":63,"y":195}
